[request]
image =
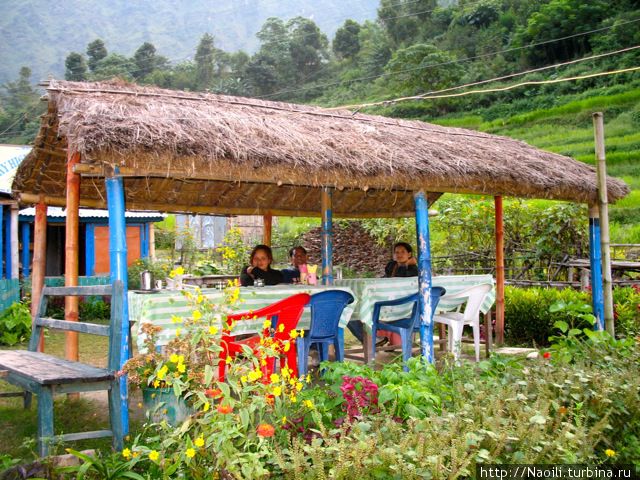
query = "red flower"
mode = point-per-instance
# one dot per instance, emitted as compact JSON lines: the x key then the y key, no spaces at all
{"x":213,"y":393}
{"x":225,"y":409}
{"x":266,"y":430}
{"x":546,"y":355}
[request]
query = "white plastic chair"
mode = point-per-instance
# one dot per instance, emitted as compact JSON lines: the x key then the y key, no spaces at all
{"x":471,"y":316}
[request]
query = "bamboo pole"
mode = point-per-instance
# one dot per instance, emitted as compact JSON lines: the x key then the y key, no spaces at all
{"x":267,"y":221}
{"x":71,"y":253}
{"x":603,"y":207}
{"x":424,"y":276}
{"x":15,"y":242}
{"x":39,"y":261}
{"x":595,"y":263}
{"x":499,"y":274}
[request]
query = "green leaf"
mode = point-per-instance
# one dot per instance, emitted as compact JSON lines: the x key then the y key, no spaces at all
{"x":561,"y":325}
{"x":208,"y":374}
{"x":574,"y":331}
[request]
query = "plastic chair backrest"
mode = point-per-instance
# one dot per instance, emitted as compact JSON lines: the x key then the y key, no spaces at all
{"x":326,"y":309}
{"x":436,"y":293}
{"x":475,"y":295}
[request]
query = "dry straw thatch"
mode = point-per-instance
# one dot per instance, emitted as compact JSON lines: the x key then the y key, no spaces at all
{"x":211,"y":153}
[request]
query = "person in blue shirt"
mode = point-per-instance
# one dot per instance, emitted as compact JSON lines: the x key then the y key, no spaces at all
{"x":297,"y":256}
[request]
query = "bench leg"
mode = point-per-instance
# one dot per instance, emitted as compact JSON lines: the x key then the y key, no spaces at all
{"x":115,"y":417}
{"x":26,"y":400}
{"x":45,"y":420}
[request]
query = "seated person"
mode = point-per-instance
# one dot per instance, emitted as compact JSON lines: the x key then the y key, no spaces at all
{"x":260,"y":267}
{"x":298,"y":256}
{"x":402,"y":265}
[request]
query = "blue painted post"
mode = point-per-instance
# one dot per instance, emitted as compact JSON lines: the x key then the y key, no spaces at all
{"x":1,"y":239}
{"x":144,"y":240}
{"x":424,"y":276}
{"x":595,"y":258}
{"x":90,"y":249}
{"x":118,"y":266}
{"x":26,"y":242}
{"x":327,"y":237}
{"x":7,"y":240}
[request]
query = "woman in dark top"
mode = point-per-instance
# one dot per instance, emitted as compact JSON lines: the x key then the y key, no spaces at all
{"x":260,"y":267}
{"x":403,"y":263}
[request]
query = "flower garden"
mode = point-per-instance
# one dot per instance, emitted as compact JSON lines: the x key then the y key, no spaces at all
{"x":576,"y":403}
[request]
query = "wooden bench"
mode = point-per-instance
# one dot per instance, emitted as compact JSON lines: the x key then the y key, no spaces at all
{"x":45,"y":375}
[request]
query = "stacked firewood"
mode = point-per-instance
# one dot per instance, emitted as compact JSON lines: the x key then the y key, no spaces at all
{"x":353,"y":248}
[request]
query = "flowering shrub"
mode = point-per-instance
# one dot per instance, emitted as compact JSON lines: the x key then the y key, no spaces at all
{"x":360,"y":396}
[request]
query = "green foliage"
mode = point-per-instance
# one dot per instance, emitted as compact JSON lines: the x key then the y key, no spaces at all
{"x":159,"y":270}
{"x":529,"y":317}
{"x":234,"y":252}
{"x":20,"y":109}
{"x":346,"y":43}
{"x":96,"y":51}
{"x":102,"y":466}
{"x":76,"y":67}
{"x":626,"y":309}
{"x":94,"y":310}
{"x":15,"y":324}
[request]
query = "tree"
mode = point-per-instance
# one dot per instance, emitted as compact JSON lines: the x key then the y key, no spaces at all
{"x":307,"y":47}
{"x":76,"y":67}
{"x":346,"y":43}
{"x":114,"y":65}
{"x":96,"y":51}
{"x":204,"y":62}
{"x":20,"y":110}
{"x":145,"y":60}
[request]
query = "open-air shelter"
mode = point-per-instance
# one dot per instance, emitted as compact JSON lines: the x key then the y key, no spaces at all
{"x":117,"y":145}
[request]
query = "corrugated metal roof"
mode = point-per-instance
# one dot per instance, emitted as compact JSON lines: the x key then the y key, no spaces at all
{"x":91,"y":213}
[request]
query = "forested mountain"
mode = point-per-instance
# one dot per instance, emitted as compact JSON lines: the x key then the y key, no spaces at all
{"x":40,"y":33}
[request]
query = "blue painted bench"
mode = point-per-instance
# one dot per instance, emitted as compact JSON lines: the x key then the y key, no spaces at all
{"x":46,"y":375}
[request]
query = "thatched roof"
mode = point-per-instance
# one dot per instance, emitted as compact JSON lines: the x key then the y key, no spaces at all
{"x":212,"y":153}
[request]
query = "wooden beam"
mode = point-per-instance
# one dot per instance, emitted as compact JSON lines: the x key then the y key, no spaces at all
{"x":267,"y":221}
{"x":39,"y":261}
{"x":72,"y":223}
{"x":499,"y":228}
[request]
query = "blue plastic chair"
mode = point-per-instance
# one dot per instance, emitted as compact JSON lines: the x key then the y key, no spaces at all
{"x":326,"y":309}
{"x":405,"y":327}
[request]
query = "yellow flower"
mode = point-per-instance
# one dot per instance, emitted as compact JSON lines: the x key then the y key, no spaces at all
{"x":206,"y":406}
{"x":197,"y":315}
{"x":286,"y":345}
{"x":298,"y":386}
{"x":156,"y":383}
{"x":285,"y":372}
{"x":309,"y":404}
{"x":243,"y":379}
{"x":199,"y":442}
{"x":177,"y":271}
{"x":180,"y":358}
{"x":301,"y":333}
{"x":213,"y":330}
{"x":293,"y":333}
{"x":266,"y":324}
{"x":173,"y":358}
{"x":153,"y":456}
{"x":190,"y":452}
{"x":610,"y":453}
{"x":275,"y":378}
{"x":178,"y":331}
{"x":126,"y":453}
{"x":182,"y":367}
{"x":308,"y":377}
{"x":277,"y":391}
{"x":281,"y":327}
{"x":200,"y":298}
{"x":228,"y":360}
{"x":176,"y":319}
{"x":293,"y":398}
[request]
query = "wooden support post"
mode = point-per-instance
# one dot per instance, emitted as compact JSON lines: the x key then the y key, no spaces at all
{"x":499,"y":272}
{"x":15,"y":242}
{"x":267,"y":222}
{"x":603,"y":207}
{"x":118,"y":267}
{"x":424,"y":276}
{"x":26,"y":253}
{"x":39,"y":261}
{"x":152,"y":242}
{"x":595,"y":259}
{"x":327,"y":237}
{"x":71,"y":253}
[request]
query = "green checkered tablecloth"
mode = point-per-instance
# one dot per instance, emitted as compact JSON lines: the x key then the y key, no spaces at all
{"x":371,"y":290}
{"x":158,"y":308}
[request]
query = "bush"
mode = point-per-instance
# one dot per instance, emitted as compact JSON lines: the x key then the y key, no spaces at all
{"x":626,"y":309}
{"x":159,"y":270}
{"x":15,"y":324}
{"x":527,"y":318}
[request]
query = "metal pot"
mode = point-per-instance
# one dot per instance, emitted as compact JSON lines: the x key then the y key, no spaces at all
{"x":146,"y":280}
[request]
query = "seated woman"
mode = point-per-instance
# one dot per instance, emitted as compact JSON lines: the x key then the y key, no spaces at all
{"x":260,"y":267}
{"x":402,"y":265}
{"x":298,"y":256}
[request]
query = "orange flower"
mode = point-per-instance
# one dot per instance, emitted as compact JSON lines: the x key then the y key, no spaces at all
{"x":225,"y":409}
{"x":266,"y":430}
{"x":562,"y":410}
{"x":213,"y":392}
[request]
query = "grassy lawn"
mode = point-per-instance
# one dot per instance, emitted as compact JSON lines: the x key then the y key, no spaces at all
{"x":90,"y":412}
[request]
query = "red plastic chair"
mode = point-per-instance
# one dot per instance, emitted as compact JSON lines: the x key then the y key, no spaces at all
{"x":285,"y":312}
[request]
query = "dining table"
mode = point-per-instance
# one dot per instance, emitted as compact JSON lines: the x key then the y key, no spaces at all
{"x":160,"y":308}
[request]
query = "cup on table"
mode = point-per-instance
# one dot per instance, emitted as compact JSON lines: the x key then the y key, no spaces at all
{"x":158,"y":284}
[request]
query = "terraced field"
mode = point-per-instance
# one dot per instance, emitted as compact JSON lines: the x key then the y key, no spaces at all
{"x":568,"y":129}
